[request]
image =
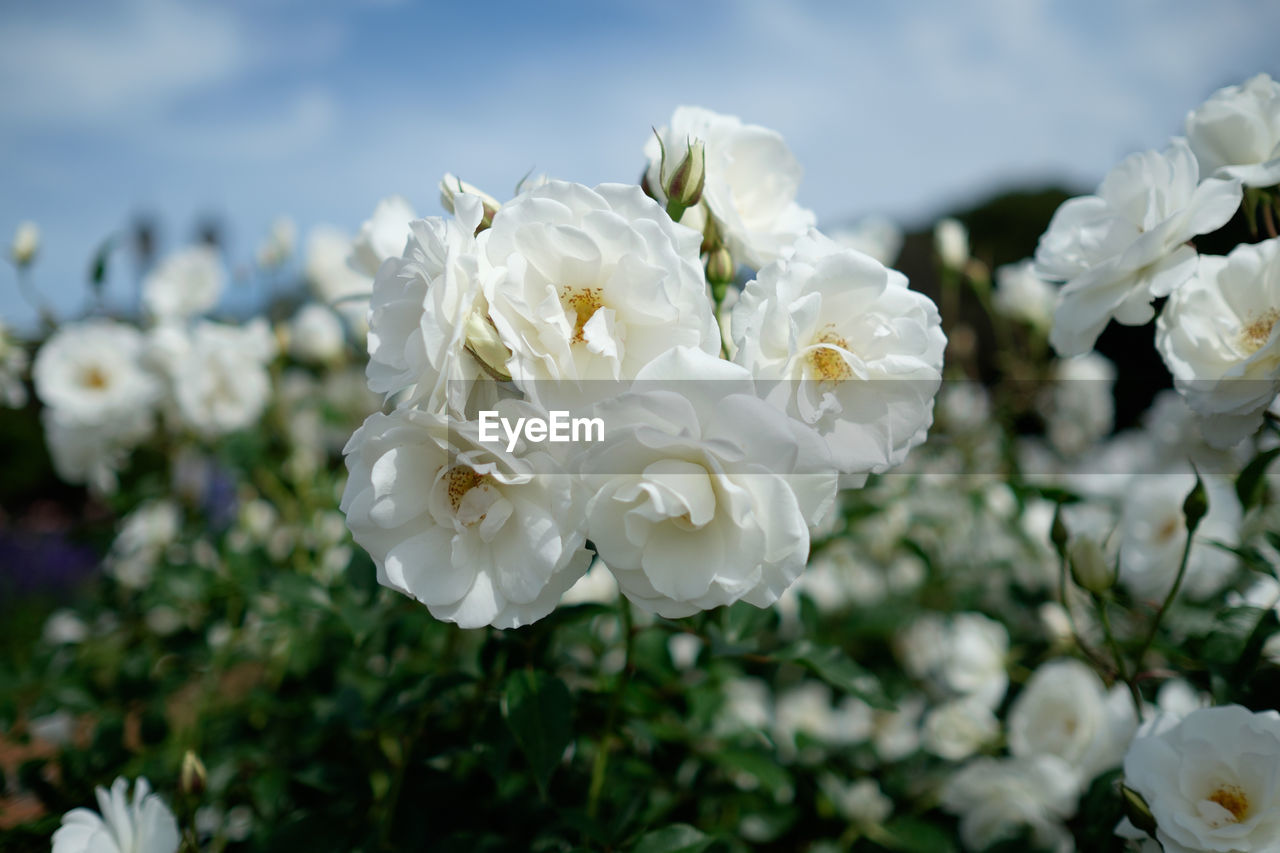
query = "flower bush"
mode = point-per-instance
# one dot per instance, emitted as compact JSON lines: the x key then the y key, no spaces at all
{"x":851,"y":561}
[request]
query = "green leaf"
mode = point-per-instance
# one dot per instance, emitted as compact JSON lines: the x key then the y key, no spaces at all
{"x":917,"y":836}
{"x":765,"y":769}
{"x":1251,"y":485}
{"x":536,"y":708}
{"x":677,"y":838}
{"x":836,"y":668}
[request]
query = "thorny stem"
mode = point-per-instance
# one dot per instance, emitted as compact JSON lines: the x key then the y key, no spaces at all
{"x":615,"y":702}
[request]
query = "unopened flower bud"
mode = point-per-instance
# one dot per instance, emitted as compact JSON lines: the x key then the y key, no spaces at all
{"x":1137,"y":810}
{"x":1058,"y":532}
{"x":720,"y":266}
{"x":1089,"y":567}
{"x":451,"y":186}
{"x":26,"y":244}
{"x":484,"y":342}
{"x":684,"y":184}
{"x":194,"y":778}
{"x":1195,"y":506}
{"x":951,"y":242}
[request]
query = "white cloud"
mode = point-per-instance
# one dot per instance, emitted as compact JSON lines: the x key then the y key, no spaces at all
{"x":129,"y":57}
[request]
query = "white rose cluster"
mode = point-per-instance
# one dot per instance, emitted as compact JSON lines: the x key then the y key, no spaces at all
{"x":1131,"y":243}
{"x":106,"y":384}
{"x":1063,"y":729}
{"x":706,"y":475}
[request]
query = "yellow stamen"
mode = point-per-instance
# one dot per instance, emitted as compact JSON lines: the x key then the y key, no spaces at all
{"x":1233,"y":799}
{"x":458,"y":481}
{"x":582,"y":303}
{"x":828,"y":364}
{"x":1258,"y":332}
{"x":94,"y":378}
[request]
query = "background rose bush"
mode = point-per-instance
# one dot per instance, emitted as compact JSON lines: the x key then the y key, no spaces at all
{"x":903,"y":693}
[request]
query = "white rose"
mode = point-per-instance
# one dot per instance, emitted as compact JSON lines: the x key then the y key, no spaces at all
{"x":975,"y":659}
{"x":837,"y":577}
{"x":480,"y":536}
{"x":64,"y":627}
{"x":1153,"y":533}
{"x":424,"y":303}
{"x":1212,"y":780}
{"x":1080,"y":409}
{"x":1023,"y":295}
{"x":747,"y":706}
{"x":316,"y":335}
{"x":1000,"y":798}
{"x":144,"y":534}
{"x":186,"y":283}
{"x":382,"y":236}
{"x":141,"y":824}
{"x":802,"y":710}
{"x":691,"y":511}
{"x":960,"y":655}
{"x":957,"y":729}
{"x":593,"y":284}
{"x":332,"y":280}
{"x":221,"y":382}
{"x":807,"y":709}
{"x":1236,"y":132}
{"x":91,"y":372}
{"x":896,"y":734}
{"x":1220,"y":338}
{"x":842,"y":344}
{"x":1123,"y":247}
{"x":93,"y":453}
{"x":751,"y":181}
{"x":861,"y":802}
{"x":1065,"y":710}
{"x":99,"y":399}
{"x":876,"y":236}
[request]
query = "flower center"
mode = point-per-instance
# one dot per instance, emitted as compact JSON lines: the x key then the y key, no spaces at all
{"x":1168,"y":530}
{"x":458,"y":481}
{"x":581,"y":303}
{"x":827,"y":363}
{"x":93,"y":377}
{"x":1233,"y":799}
{"x":471,"y":495}
{"x":1257,"y":333}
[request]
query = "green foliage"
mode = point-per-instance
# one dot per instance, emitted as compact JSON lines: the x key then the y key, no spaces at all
{"x":538,"y":710}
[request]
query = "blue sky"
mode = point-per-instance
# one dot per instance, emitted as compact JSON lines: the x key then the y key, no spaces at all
{"x":316,"y":109}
